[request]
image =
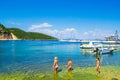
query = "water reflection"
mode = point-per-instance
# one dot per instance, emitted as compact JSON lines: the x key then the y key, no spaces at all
{"x":87,"y":51}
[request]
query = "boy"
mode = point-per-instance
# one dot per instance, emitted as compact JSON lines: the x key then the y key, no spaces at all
{"x":98,"y":65}
{"x":69,"y":65}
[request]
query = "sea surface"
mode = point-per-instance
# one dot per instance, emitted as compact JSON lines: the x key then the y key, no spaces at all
{"x":38,"y":56}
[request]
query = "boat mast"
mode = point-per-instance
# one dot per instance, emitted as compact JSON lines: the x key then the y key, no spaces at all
{"x":116,"y":35}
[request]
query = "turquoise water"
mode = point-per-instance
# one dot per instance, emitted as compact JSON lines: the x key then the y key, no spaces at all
{"x":38,"y":55}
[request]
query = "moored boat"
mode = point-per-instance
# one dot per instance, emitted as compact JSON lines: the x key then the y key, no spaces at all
{"x":90,"y":45}
{"x":106,"y":50}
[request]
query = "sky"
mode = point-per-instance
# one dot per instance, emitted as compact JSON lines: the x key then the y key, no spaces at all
{"x":63,"y":19}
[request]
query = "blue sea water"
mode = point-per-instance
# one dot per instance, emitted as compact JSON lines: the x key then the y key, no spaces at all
{"x":38,"y":56}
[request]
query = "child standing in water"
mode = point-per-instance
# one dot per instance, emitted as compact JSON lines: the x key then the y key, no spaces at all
{"x":98,"y":65}
{"x":55,"y":65}
{"x":69,"y":65}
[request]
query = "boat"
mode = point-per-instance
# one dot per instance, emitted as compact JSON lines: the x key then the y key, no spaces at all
{"x":90,"y":45}
{"x":63,"y":40}
{"x":106,"y":50}
{"x":69,"y":40}
{"x":72,"y":40}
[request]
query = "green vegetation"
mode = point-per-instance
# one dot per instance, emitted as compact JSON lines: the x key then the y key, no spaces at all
{"x":30,"y":35}
{"x":107,"y":73}
{"x":3,"y":29}
{"x":20,"y":34}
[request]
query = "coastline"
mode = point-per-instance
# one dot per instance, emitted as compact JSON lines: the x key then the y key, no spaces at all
{"x":9,"y":39}
{"x":107,"y":73}
{"x":27,"y":39}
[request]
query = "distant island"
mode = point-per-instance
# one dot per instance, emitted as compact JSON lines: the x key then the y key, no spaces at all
{"x":18,"y":34}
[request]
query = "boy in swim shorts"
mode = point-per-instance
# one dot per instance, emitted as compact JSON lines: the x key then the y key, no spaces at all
{"x":69,"y":65}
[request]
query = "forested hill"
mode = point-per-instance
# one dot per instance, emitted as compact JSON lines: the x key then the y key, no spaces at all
{"x":16,"y":33}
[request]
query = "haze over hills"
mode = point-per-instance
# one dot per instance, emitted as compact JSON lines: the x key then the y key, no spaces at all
{"x":16,"y":33}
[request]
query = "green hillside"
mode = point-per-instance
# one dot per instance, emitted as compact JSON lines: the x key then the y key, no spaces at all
{"x":30,"y":35}
{"x":3,"y":29}
{"x":20,"y":34}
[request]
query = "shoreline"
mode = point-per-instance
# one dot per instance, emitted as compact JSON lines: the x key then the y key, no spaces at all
{"x":107,"y":73}
{"x":9,"y":39}
{"x":25,"y":39}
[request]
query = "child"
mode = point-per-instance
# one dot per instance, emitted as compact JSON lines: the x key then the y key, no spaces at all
{"x":69,"y":65}
{"x":55,"y":65}
{"x":98,"y":65}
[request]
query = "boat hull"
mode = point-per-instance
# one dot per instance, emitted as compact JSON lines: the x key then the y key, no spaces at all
{"x":106,"y":51}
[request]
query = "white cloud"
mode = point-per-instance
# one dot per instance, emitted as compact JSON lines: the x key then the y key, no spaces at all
{"x":62,"y":34}
{"x":86,"y":33}
{"x":70,"y":29}
{"x":97,"y":33}
{"x":70,"y":33}
{"x":43,"y":25}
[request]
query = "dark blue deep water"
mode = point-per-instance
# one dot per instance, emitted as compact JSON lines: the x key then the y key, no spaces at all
{"x":38,"y":56}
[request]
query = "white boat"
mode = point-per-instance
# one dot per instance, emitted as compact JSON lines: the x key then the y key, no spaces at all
{"x":90,"y":45}
{"x":71,"y":40}
{"x":63,"y":40}
{"x":106,"y":50}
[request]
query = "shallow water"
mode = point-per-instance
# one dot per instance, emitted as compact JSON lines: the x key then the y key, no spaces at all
{"x":38,"y":55}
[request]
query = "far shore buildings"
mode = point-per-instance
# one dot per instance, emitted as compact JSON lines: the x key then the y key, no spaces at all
{"x":115,"y":37}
